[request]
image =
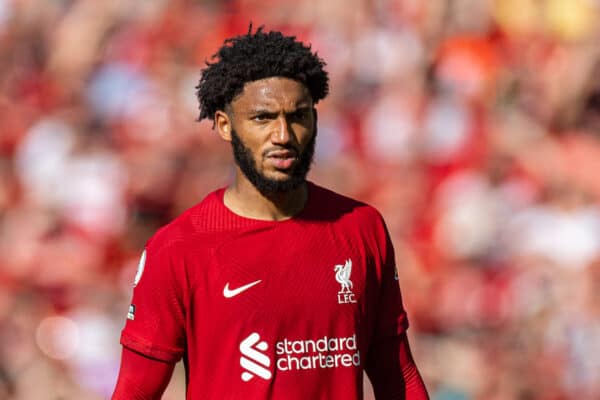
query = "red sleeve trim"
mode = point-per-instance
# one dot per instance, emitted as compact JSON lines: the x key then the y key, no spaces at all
{"x":397,"y":327}
{"x":151,"y":349}
{"x":402,"y":324}
{"x":141,"y":377}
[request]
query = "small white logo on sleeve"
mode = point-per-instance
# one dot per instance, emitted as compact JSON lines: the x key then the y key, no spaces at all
{"x":140,"y":269}
{"x":253,"y":361}
{"x":131,"y":312}
{"x":342,"y":276}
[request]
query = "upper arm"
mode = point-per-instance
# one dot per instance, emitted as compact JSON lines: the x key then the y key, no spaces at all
{"x":392,"y":370}
{"x":389,"y":363}
{"x":391,"y":318}
{"x":155,"y":325}
{"x":141,"y":377}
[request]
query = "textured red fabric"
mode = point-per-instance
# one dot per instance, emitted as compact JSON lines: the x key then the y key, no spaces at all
{"x":392,"y":371}
{"x":293,"y":309}
{"x":141,"y":377}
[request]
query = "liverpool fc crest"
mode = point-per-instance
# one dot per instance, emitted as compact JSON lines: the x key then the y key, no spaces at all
{"x":342,"y":276}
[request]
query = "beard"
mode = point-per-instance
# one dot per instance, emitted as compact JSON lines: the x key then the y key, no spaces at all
{"x":245,"y":160}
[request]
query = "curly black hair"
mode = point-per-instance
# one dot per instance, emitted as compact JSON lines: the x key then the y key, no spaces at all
{"x":256,"y":56}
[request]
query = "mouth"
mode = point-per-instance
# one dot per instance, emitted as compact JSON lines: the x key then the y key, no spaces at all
{"x":282,"y":159}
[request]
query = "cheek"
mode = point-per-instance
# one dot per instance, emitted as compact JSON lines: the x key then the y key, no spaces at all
{"x":305,"y":136}
{"x":252,"y":138}
{"x":303,"y":130}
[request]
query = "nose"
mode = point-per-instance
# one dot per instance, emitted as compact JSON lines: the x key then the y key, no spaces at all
{"x":282,"y":133}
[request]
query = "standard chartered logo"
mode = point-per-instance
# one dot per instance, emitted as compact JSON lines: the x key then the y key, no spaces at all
{"x":325,"y":352}
{"x":297,"y":355}
{"x":253,"y":361}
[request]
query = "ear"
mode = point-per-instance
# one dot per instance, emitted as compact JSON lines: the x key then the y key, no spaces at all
{"x":223,"y":124}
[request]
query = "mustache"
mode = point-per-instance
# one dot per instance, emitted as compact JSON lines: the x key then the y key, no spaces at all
{"x":287,"y":150}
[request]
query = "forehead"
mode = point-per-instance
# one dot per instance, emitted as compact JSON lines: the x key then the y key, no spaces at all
{"x":272,"y":93}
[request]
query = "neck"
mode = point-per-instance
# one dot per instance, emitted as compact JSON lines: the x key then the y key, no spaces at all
{"x":245,"y":200}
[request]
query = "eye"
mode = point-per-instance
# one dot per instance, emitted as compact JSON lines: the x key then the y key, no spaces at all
{"x":261,"y":117}
{"x":302,"y":114}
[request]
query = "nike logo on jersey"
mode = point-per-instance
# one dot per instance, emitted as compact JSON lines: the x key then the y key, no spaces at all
{"x":228,"y":293}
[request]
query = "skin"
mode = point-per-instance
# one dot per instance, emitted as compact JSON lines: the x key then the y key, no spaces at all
{"x":275,"y":119}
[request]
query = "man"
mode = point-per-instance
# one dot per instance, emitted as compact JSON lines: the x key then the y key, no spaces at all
{"x":272,"y":288}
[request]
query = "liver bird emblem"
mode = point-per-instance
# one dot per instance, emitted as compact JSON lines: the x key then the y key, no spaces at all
{"x":342,"y":275}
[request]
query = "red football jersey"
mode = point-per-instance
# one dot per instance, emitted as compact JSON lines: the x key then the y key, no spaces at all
{"x":269,"y":309}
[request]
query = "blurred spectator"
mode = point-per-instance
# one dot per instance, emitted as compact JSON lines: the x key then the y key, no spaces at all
{"x":474,"y":126}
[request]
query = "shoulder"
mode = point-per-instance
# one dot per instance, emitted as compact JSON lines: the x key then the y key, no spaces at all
{"x":186,"y":227}
{"x":331,"y":205}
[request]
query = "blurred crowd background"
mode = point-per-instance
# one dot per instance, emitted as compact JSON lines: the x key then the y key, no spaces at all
{"x":473,"y":125}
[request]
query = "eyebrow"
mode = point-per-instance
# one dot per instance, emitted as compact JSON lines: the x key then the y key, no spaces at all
{"x":265,"y":110}
{"x":260,"y":110}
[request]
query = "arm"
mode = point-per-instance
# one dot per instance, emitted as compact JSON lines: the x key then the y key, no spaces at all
{"x":141,"y":377}
{"x":390,"y":365}
{"x":153,"y":338}
{"x":393,"y":372}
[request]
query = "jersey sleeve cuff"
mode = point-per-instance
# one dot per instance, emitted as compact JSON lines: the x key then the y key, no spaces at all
{"x":150,"y":349}
{"x":402,"y":324}
{"x":394,"y":328}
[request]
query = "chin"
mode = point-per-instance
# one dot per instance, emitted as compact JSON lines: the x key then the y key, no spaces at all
{"x":278,"y":184}
{"x":280,"y":177}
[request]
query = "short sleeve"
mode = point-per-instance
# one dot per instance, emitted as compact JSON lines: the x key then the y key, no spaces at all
{"x":155,"y":324}
{"x":392,"y":319}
